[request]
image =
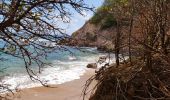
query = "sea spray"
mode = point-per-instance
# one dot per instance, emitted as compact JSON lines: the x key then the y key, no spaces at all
{"x":65,"y":67}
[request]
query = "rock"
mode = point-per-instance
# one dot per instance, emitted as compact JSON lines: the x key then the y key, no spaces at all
{"x":102,"y":59}
{"x":92,"y":65}
{"x":108,"y":47}
{"x":91,"y":36}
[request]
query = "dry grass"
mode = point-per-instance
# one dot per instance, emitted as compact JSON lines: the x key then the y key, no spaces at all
{"x":131,"y":82}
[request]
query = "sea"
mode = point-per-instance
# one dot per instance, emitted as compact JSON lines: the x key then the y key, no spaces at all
{"x":65,"y":66}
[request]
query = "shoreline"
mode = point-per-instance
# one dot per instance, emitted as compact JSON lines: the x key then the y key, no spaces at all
{"x":71,"y":90}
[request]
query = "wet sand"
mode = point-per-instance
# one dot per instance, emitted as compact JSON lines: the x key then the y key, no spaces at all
{"x":67,"y":91}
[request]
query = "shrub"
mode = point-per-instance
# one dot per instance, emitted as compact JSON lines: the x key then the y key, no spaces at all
{"x":96,"y":19}
{"x":108,"y":22}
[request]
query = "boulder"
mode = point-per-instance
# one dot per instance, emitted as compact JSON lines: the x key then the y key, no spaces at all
{"x":92,"y":65}
{"x":102,"y":59}
{"x":107,"y":47}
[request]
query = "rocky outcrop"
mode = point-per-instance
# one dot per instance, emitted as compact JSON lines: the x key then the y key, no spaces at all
{"x":92,"y":65}
{"x":92,"y":35}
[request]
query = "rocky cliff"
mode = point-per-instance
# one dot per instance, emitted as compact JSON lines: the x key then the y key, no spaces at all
{"x":92,"y":35}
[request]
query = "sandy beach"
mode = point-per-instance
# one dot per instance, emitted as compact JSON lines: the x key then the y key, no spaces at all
{"x":67,"y":91}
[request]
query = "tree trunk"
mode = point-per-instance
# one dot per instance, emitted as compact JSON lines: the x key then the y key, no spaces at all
{"x":117,"y":44}
{"x":129,"y":39}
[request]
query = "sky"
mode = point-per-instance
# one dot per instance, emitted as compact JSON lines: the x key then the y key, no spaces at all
{"x":77,"y":21}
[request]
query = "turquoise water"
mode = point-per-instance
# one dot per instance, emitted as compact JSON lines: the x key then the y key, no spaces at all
{"x":13,"y":64}
{"x":65,"y":67}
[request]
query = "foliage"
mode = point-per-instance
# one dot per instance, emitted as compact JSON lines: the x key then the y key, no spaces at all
{"x":108,"y":22}
{"x":106,"y":14}
{"x":74,"y":34}
{"x":96,"y":19}
{"x":99,"y":15}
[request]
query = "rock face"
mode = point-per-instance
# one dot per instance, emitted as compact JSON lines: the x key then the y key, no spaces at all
{"x":91,"y":35}
{"x":92,"y":65}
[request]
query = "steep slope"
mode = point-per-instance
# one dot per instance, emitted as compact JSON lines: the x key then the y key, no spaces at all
{"x":93,"y":35}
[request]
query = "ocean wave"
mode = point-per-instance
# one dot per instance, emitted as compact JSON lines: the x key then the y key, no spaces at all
{"x":50,"y":75}
{"x":61,"y":72}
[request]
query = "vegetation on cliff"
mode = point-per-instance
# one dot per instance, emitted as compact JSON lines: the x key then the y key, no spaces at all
{"x":103,"y":25}
{"x":105,"y":14}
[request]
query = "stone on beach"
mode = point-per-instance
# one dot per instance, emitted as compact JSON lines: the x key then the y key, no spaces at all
{"x":92,"y":65}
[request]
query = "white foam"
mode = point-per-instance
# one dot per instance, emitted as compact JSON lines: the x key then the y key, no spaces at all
{"x":60,"y":73}
{"x":51,"y":75}
{"x":72,"y":58}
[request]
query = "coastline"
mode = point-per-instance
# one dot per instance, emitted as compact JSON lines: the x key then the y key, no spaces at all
{"x":67,"y":91}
